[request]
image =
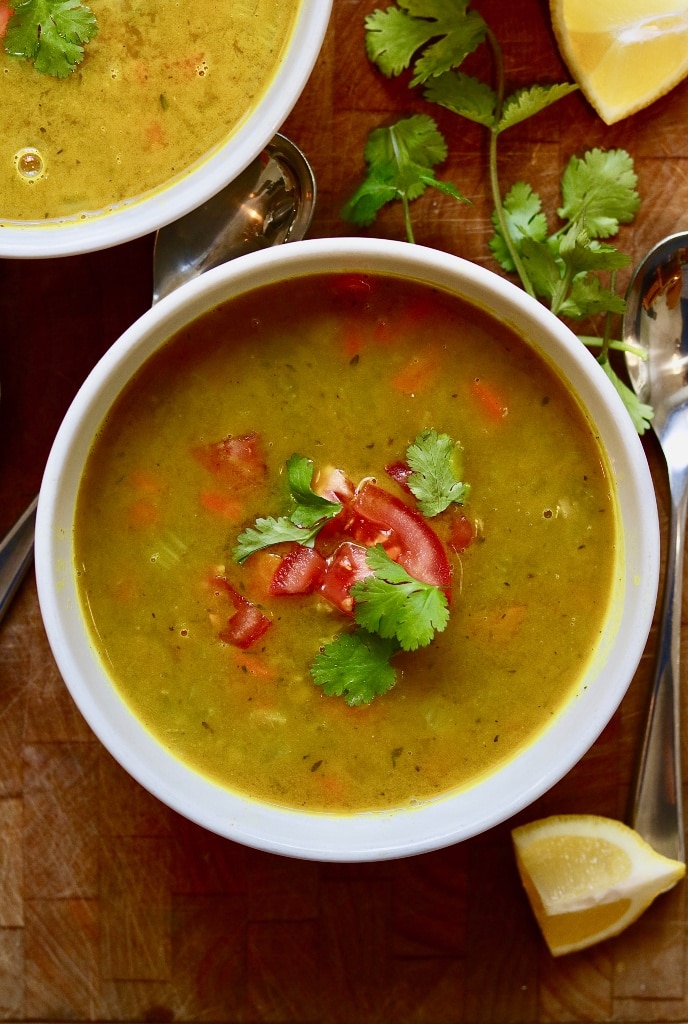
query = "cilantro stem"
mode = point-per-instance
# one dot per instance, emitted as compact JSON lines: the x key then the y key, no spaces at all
{"x":404,"y":197}
{"x":594,"y":341}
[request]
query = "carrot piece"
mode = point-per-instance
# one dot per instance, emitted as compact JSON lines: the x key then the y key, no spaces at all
{"x":489,"y":400}
{"x":253,"y":664}
{"x":419,"y":374}
{"x":145,"y":482}
{"x":221,"y":505}
{"x":5,"y":14}
{"x":143,"y":514}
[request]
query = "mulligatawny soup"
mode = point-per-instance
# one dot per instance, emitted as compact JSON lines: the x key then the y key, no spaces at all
{"x":161,"y":84}
{"x":215,"y":653}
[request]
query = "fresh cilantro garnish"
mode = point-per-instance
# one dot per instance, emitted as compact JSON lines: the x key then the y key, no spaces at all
{"x":395,"y":605}
{"x":435,"y":461}
{"x":400,"y":163}
{"x":311,"y":513}
{"x":431,"y":39}
{"x":51,"y":33}
{"x":355,"y":666}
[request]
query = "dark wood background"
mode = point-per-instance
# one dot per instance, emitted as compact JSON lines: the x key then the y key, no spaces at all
{"x":114,"y":908}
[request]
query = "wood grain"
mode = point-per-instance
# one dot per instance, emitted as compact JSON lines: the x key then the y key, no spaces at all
{"x":112,"y":907}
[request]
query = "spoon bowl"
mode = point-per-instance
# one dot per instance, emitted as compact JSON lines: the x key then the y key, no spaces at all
{"x":656,"y":328}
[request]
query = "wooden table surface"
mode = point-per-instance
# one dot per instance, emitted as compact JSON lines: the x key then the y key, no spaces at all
{"x":112,"y":907}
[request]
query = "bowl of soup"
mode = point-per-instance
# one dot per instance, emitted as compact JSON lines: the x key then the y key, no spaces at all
{"x":168,"y":105}
{"x":347,"y":550}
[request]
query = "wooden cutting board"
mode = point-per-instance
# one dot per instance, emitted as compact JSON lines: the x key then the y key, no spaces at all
{"x":114,"y":908}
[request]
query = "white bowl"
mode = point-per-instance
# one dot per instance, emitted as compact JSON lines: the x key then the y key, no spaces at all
{"x":369,"y":836}
{"x":212,"y":173}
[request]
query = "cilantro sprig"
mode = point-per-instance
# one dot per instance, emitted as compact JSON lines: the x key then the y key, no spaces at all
{"x":571,"y":268}
{"x":435,"y":461}
{"x":394,"y":612}
{"x":304,"y":523}
{"x":50,"y":33}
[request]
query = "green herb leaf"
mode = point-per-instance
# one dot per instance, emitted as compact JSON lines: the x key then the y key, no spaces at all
{"x":463,"y":95}
{"x":527,"y":102}
{"x":395,"y":605}
{"x":51,"y":33}
{"x":355,"y":666}
{"x":435,"y":460}
{"x":303,"y":525}
{"x":598,"y":192}
{"x":400,"y":161}
{"x":640,"y":413}
{"x":524,"y":219}
{"x":446,"y":28}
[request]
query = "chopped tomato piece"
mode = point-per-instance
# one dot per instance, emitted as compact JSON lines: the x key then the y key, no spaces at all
{"x":237,"y":461}
{"x":352,"y":287}
{"x":399,"y":472}
{"x":461,"y":533}
{"x":248,"y":623}
{"x":420,"y":550}
{"x":5,"y":14}
{"x":299,"y":572}
{"x":346,"y":566}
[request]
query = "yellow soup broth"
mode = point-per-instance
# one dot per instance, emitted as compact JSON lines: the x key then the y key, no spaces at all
{"x":162,"y":83}
{"x":345,"y":371}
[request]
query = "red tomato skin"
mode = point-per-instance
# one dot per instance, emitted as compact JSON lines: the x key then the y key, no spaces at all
{"x":238,"y":461}
{"x":300,"y":572}
{"x":421,"y":552}
{"x":346,"y":566}
{"x":399,"y":472}
{"x":461,"y":533}
{"x":248,"y":624}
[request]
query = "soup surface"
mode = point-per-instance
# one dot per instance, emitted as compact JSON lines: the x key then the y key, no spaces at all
{"x":162,"y":84}
{"x":345,"y":371}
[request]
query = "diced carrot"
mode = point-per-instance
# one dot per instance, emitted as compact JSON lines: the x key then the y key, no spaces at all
{"x":500,"y":625}
{"x":419,"y":374}
{"x":5,"y":14}
{"x":353,"y":338}
{"x":259,"y":570}
{"x":145,"y":482}
{"x":143,"y":514}
{"x":385,"y":333}
{"x":489,"y":400}
{"x":221,"y":505}
{"x":253,"y":664}
{"x":154,"y":136}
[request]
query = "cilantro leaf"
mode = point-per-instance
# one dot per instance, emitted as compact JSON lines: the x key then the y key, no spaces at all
{"x":641,"y":414}
{"x":400,"y":161}
{"x":395,"y":605}
{"x":51,"y":33}
{"x":434,"y":459}
{"x":598,"y":192}
{"x":463,"y":95}
{"x":303,"y":525}
{"x":355,"y":666}
{"x":446,"y":28}
{"x":525,"y":103}
{"x":588,"y":297}
{"x":311,"y":508}
{"x":524,"y":219}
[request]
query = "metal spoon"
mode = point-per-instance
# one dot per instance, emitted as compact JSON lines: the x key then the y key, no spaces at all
{"x":271,"y":202}
{"x":656,"y":321}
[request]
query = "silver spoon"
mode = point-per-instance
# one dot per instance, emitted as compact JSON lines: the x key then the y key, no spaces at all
{"x":272,"y":201}
{"x":656,"y":321}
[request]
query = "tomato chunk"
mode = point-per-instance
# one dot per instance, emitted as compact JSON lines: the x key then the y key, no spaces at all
{"x":300,"y":572}
{"x":346,"y":566}
{"x":461,"y":533}
{"x":247,"y":624}
{"x":405,"y":535}
{"x":237,"y":461}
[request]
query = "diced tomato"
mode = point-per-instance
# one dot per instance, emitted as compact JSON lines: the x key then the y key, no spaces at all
{"x":399,"y":472}
{"x":237,"y":461}
{"x":5,"y":14}
{"x":334,"y":484}
{"x":247,"y":624}
{"x":421,"y":552}
{"x":351,"y":287}
{"x":300,"y":572}
{"x":346,"y":566}
{"x":461,"y":533}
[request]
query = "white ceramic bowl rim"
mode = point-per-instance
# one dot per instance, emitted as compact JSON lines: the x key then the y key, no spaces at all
{"x":370,"y":836}
{"x":212,"y":173}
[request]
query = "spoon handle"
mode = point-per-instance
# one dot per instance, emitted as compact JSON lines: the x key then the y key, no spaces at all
{"x":16,"y":553}
{"x":657,"y":812}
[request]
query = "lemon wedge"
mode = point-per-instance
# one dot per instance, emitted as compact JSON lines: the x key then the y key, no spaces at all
{"x":588,"y":877}
{"x":624,"y":54}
